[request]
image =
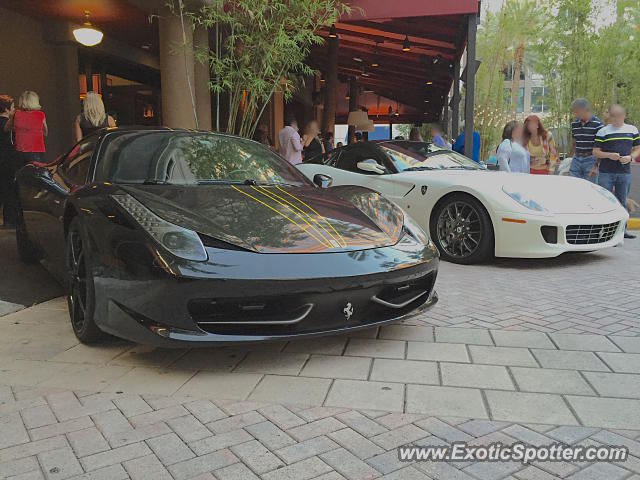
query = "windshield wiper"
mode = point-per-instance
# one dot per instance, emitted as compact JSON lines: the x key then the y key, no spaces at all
{"x":248,"y":182}
{"x":414,"y":169}
{"x":220,"y":182}
{"x":152,"y":181}
{"x":462,"y":167}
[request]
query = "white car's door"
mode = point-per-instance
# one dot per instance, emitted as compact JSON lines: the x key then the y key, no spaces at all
{"x":344,"y":170}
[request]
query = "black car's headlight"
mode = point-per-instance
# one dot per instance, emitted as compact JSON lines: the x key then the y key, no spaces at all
{"x":415,"y":230}
{"x":180,"y":241}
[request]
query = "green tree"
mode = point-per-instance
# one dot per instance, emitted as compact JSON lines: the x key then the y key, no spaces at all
{"x":564,"y":54}
{"x":519,"y":24}
{"x":264,"y":47}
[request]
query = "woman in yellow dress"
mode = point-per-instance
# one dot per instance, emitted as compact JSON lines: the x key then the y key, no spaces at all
{"x":542,"y":149}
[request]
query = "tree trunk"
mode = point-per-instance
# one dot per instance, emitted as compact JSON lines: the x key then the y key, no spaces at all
{"x":518,"y":57}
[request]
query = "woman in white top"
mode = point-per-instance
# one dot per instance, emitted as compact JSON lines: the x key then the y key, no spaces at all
{"x":512,"y":156}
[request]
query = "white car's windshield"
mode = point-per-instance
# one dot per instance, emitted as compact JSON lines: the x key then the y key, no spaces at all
{"x":424,"y":156}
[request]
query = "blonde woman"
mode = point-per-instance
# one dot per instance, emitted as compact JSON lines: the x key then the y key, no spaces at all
{"x":92,"y":118}
{"x":29,"y":127}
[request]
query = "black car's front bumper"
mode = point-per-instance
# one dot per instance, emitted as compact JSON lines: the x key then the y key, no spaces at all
{"x":242,"y":296}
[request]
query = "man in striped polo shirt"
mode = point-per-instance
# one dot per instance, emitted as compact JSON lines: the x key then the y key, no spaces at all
{"x":583,"y":130}
{"x":616,"y":146}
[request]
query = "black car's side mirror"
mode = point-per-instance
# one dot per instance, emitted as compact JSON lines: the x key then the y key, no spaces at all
{"x":322,"y":180}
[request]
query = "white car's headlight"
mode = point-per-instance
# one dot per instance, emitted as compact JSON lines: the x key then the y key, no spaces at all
{"x":605,"y":193}
{"x":180,"y":241}
{"x":415,"y":230}
{"x":524,"y":200}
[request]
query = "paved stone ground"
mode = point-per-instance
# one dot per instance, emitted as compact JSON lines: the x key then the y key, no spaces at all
{"x":58,"y":434}
{"x":538,"y":351}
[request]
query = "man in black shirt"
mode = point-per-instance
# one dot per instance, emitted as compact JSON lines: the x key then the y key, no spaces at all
{"x":583,"y":130}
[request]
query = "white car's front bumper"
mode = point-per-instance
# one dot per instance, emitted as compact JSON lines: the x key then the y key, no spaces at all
{"x":518,"y":235}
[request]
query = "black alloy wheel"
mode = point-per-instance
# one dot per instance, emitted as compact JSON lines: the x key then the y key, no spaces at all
{"x":462,"y":230}
{"x":80,"y":289}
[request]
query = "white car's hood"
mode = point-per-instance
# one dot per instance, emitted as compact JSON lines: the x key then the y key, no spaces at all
{"x":557,"y":194}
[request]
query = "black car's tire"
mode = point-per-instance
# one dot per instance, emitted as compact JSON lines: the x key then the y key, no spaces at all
{"x":80,"y":288}
{"x":462,"y":230}
{"x":26,"y":251}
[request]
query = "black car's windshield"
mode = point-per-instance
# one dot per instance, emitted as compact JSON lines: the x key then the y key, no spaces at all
{"x":409,"y":156}
{"x":191,"y":158}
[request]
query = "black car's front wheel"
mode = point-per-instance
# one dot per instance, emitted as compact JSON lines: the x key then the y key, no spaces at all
{"x":462,"y":230}
{"x":80,"y":289}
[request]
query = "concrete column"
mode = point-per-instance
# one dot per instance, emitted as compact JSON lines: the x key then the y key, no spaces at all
{"x":470,"y":85}
{"x":67,"y":100}
{"x":455,"y":101}
{"x":201,"y":80}
{"x":176,"y":71}
{"x":353,"y":106}
{"x":330,"y":87}
{"x":445,"y":118}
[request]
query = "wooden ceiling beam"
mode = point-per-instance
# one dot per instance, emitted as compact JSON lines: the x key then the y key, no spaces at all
{"x":394,"y":33}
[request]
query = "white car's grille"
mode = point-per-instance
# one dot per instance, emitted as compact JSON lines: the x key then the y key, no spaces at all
{"x":589,"y":234}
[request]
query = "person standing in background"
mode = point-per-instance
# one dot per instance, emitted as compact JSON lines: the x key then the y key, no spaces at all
{"x":541,"y":146}
{"x":29,"y":126}
{"x":512,"y":156}
{"x":458,"y":145}
{"x":92,"y":118}
{"x":7,"y":164}
{"x":616,"y":146}
{"x":327,"y":141}
{"x":437,"y":137}
{"x":289,"y":142}
{"x":311,"y":144}
{"x":262,"y":136}
{"x":415,"y":135}
{"x":583,"y":131}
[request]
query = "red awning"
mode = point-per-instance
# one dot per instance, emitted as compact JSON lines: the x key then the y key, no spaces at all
{"x":379,"y":9}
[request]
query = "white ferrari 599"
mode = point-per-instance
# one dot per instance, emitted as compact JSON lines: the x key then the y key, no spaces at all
{"x":473,"y":213}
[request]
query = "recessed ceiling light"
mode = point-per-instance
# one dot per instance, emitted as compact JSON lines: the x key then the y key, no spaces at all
{"x":429,"y":82}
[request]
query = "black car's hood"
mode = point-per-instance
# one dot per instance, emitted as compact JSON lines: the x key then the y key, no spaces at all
{"x":274,"y":219}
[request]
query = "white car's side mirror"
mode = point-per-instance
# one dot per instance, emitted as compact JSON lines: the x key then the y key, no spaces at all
{"x":370,"y":165}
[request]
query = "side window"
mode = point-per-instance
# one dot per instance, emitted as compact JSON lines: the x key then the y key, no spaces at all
{"x":349,"y":160}
{"x":75,"y":167}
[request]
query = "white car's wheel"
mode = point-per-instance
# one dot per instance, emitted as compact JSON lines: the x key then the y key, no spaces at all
{"x":462,"y":229}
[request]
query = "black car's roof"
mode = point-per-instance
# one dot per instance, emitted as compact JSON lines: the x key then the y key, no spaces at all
{"x":144,"y":128}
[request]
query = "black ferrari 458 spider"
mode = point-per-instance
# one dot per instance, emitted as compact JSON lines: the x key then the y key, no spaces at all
{"x":174,"y":237}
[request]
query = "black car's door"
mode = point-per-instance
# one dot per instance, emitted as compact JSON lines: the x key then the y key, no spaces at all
{"x":63,"y":179}
{"x":34,"y":182}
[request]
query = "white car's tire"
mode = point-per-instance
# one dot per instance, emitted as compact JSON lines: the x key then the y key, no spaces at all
{"x":462,"y":230}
